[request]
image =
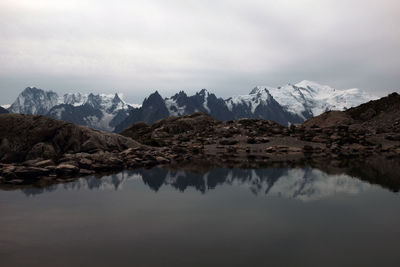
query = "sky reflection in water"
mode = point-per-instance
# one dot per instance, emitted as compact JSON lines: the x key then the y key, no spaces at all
{"x":224,"y":217}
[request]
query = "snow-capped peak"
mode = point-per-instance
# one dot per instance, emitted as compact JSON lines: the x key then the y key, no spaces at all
{"x":106,"y":107}
{"x":258,"y":96}
{"x":75,"y":99}
{"x":117,"y":98}
{"x":34,"y":101}
{"x":259,"y":90}
{"x":6,"y":106}
{"x":305,"y":99}
{"x":204,"y":92}
{"x":314,"y":85}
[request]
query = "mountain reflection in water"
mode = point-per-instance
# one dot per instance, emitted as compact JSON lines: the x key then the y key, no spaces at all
{"x":205,"y":216}
{"x":299,"y":183}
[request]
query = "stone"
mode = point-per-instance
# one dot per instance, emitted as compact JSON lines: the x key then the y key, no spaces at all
{"x":270,"y":149}
{"x":128,"y":151}
{"x":44,"y":163}
{"x":85,"y":163}
{"x":86,"y":172}
{"x":66,"y":170}
{"x":319,"y":139}
{"x":42,"y":150}
{"x":162,"y":160}
{"x":15,"y":181}
{"x":31,"y":161}
{"x":30,"y":172}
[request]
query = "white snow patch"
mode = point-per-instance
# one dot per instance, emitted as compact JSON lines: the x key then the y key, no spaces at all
{"x":256,"y":97}
{"x":58,"y":112}
{"x":305,"y":96}
{"x":134,"y":105}
{"x":75,"y":99}
{"x":205,"y":104}
{"x":173,"y":108}
{"x":101,"y":124}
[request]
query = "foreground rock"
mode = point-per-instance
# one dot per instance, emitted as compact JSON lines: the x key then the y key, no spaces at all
{"x":35,"y":146}
{"x":27,"y":137}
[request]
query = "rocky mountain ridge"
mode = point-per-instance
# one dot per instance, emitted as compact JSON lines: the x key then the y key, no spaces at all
{"x":99,"y":111}
{"x":286,"y":105}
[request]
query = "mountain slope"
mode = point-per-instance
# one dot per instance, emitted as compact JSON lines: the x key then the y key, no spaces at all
{"x":260,"y":104}
{"x":376,"y":116}
{"x":100,"y":111}
{"x":3,"y":110}
{"x":34,"y":101}
{"x":308,"y":99}
{"x":203,"y":101}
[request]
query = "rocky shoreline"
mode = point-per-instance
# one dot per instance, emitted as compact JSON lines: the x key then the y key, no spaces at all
{"x":36,"y":148}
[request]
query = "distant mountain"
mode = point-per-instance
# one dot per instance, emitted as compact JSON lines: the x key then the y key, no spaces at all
{"x":100,"y":111}
{"x":34,"y":101}
{"x":285,"y":105}
{"x":377,"y":116}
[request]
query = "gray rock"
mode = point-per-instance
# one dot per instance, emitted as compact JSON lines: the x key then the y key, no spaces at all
{"x":66,"y":170}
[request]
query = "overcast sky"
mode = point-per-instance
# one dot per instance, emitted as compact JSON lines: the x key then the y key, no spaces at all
{"x":227,"y":46}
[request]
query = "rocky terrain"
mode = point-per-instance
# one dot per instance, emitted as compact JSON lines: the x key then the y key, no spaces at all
{"x":370,"y":129}
{"x":37,"y":146}
{"x":33,"y":147}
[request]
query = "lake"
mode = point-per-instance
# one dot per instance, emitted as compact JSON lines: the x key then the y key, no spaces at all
{"x":210,"y":217}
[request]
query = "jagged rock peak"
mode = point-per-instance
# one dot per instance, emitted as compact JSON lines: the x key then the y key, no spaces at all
{"x":116,"y":98}
{"x":34,"y":101}
{"x":94,"y":100}
{"x":181,"y":94}
{"x":258,"y":90}
{"x":153,"y":97}
{"x":204,"y":92}
{"x":99,"y":111}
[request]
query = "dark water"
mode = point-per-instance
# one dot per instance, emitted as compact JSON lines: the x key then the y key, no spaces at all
{"x":225,"y":217}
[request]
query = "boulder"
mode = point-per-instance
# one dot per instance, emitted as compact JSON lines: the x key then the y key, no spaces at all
{"x":25,"y":137}
{"x":66,"y":170}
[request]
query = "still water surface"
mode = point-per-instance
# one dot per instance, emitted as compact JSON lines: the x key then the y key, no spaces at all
{"x":224,"y":217}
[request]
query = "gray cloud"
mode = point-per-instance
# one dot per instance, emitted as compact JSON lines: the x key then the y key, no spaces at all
{"x":136,"y":47}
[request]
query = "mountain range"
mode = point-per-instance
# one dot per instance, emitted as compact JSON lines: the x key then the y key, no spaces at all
{"x":98,"y":111}
{"x":285,"y":105}
{"x":292,"y":103}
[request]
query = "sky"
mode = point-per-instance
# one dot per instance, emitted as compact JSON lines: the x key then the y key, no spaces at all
{"x":136,"y":47}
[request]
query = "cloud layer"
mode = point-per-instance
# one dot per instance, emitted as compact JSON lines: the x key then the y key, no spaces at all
{"x":136,"y":47}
